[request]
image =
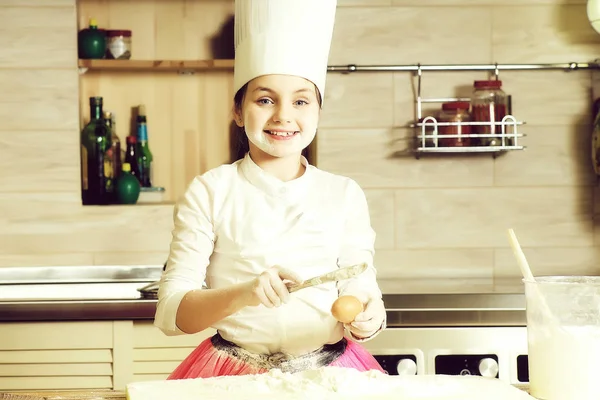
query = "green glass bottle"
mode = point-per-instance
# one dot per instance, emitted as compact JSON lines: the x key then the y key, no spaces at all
{"x":144,"y":154}
{"x":91,"y":42}
{"x":112,"y":165}
{"x":95,"y":141}
{"x":128,"y":187}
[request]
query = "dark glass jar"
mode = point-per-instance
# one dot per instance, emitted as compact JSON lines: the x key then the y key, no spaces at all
{"x":456,"y":111}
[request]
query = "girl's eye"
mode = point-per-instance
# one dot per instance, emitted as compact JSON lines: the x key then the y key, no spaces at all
{"x":301,"y":102}
{"x":265,"y":101}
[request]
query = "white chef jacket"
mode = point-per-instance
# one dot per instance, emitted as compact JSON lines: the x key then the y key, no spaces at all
{"x":235,"y":221}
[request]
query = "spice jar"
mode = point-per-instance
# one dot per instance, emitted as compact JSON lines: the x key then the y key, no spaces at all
{"x":456,"y":111}
{"x":489,"y":104}
{"x":118,"y":44}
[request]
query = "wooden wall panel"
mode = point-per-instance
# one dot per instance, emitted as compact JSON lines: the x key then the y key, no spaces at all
{"x":40,"y":36}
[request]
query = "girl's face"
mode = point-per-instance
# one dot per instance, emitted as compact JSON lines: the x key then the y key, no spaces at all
{"x":280,"y":114}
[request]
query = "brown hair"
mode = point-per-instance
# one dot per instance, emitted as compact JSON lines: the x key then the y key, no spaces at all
{"x":242,"y":146}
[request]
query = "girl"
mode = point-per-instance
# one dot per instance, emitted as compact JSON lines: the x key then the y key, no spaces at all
{"x":250,"y":228}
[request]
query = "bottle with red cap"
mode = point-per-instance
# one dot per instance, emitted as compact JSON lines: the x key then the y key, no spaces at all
{"x":489,"y":104}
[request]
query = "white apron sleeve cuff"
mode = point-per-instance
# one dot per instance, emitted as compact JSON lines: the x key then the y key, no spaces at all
{"x":165,"y":310}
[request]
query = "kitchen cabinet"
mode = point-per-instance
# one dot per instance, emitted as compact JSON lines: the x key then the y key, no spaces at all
{"x":56,"y":355}
{"x":88,"y":354}
{"x":156,"y":355}
{"x":181,"y":69}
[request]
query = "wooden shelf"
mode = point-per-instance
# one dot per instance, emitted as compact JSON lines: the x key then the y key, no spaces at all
{"x":181,"y":69}
{"x":155,"y":65}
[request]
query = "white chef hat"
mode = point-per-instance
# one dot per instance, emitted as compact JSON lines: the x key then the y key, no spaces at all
{"x":287,"y":37}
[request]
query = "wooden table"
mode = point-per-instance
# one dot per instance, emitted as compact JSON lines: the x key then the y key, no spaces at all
{"x":90,"y":394}
{"x":65,"y":394}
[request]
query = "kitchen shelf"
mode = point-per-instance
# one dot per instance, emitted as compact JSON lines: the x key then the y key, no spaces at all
{"x":428,"y":137}
{"x":181,"y":66}
{"x":181,"y":70}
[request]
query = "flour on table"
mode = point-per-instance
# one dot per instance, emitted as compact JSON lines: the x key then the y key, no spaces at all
{"x":328,"y":383}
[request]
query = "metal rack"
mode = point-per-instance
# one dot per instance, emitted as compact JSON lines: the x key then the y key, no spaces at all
{"x":429,"y":142}
{"x":427,"y":134}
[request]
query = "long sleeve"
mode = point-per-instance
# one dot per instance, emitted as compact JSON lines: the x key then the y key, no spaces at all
{"x":358,"y":246}
{"x":191,"y":247}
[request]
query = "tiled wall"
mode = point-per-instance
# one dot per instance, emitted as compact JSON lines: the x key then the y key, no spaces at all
{"x":446,"y":216}
{"x":436,"y":217}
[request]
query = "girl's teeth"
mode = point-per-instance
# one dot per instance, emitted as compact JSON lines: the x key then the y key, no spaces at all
{"x":281,"y":133}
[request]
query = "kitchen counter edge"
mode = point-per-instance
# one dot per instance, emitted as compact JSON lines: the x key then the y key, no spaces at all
{"x":403,"y":310}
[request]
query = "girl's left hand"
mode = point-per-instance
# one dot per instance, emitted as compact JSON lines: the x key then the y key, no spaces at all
{"x":368,"y":322}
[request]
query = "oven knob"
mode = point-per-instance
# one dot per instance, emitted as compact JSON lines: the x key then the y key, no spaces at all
{"x":406,"y":366}
{"x":488,"y":367}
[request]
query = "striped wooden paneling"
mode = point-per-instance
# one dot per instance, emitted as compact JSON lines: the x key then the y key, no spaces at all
{"x":56,"y":369}
{"x":156,"y":355}
{"x":56,"y":335}
{"x":56,"y":355}
{"x":150,"y":354}
{"x":150,"y":377}
{"x":61,"y":356}
{"x":146,"y":335}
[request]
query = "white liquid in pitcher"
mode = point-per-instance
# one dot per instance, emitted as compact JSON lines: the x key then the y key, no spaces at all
{"x":563,"y":364}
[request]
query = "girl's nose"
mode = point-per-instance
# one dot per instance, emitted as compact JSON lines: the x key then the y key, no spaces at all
{"x":282,"y":114}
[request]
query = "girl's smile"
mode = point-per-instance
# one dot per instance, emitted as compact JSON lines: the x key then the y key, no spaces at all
{"x":281,"y":135}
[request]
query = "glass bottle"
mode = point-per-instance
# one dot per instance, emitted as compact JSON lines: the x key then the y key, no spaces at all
{"x":489,"y":103}
{"x":110,"y":157}
{"x":131,"y":155}
{"x":91,"y":42}
{"x":115,"y":144}
{"x":144,"y":153}
{"x":128,"y":187}
{"x":94,"y":144}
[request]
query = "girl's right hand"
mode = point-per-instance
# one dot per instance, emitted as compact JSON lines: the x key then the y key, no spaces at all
{"x":270,"y":289}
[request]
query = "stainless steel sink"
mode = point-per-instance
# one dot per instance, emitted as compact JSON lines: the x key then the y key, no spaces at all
{"x":75,"y":283}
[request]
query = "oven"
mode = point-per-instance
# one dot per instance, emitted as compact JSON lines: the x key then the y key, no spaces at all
{"x":455,"y":334}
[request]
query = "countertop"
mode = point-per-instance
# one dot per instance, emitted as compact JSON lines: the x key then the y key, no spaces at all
{"x":77,"y":310}
{"x":113,"y":293}
{"x":450,"y":309}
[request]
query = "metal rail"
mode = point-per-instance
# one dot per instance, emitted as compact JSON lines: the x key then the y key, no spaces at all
{"x":572,"y":66}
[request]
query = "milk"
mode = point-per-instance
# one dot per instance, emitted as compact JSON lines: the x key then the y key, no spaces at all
{"x":564,"y":362}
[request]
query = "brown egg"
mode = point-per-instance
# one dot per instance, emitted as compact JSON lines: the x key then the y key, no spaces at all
{"x":346,"y":308}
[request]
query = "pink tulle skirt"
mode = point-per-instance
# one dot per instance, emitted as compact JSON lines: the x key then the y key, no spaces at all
{"x":217,"y":357}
